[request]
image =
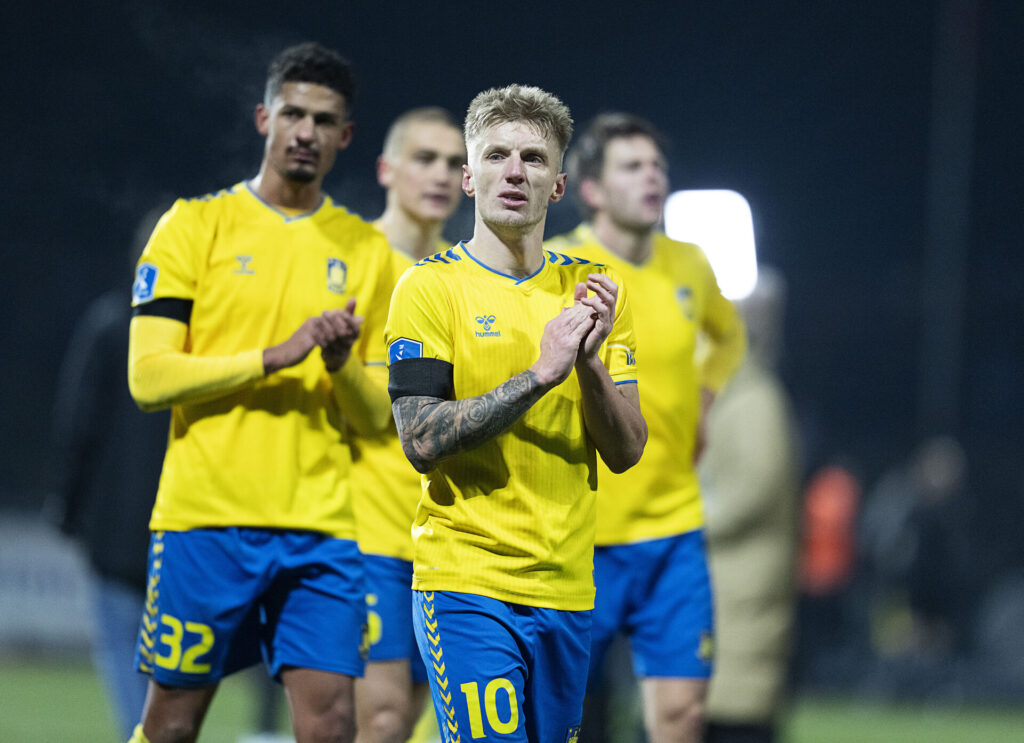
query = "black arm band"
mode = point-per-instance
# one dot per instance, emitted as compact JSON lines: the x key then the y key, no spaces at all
{"x":421,"y":377}
{"x":169,"y":307}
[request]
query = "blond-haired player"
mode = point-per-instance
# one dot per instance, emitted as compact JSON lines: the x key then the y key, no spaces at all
{"x":511,"y":368}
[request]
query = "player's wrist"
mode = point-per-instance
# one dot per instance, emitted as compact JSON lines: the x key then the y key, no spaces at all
{"x":589,"y":364}
{"x":544,"y":377}
{"x":337,"y":363}
{"x":271,"y":360}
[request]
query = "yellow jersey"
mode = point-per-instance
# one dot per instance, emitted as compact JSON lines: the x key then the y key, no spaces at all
{"x":273,"y":452}
{"x":386,"y":488}
{"x":675,"y":299}
{"x":513,"y":518}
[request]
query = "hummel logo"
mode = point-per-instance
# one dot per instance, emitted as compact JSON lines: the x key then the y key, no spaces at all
{"x":487,"y":321}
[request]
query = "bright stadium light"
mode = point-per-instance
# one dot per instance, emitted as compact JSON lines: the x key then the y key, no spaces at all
{"x":720,"y":222}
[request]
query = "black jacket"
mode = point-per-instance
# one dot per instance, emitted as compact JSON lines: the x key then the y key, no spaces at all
{"x":108,"y":453}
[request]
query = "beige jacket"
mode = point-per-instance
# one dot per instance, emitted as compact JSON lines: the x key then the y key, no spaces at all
{"x":750,"y":482}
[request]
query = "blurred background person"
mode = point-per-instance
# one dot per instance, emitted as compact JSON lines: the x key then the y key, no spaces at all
{"x":919,"y":570}
{"x":830,"y":626}
{"x":750,"y":482}
{"x":421,"y":168}
{"x":650,"y":565}
{"x":108,"y":455}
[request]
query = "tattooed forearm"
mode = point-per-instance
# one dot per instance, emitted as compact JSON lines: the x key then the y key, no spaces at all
{"x":432,"y":429}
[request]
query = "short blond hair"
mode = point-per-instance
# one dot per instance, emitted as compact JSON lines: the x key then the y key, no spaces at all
{"x":515,"y":103}
{"x":427,"y":114}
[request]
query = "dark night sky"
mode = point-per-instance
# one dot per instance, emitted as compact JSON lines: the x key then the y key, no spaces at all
{"x":817,"y":112}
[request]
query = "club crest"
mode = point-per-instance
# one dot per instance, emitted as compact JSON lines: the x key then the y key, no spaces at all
{"x":337,"y":275}
{"x":684,"y":296}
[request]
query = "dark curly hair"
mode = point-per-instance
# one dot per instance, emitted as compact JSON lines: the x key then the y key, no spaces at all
{"x":311,"y":62}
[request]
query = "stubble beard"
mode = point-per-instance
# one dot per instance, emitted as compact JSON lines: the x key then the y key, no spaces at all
{"x":299,"y":176}
{"x":510,"y":227}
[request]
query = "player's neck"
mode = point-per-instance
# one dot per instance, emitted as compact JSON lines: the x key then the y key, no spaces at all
{"x":510,"y":251}
{"x":277,"y":191}
{"x":629,"y":244}
{"x":417,"y":239}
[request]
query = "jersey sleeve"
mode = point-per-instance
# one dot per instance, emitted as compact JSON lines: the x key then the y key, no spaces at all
{"x":724,"y":329}
{"x":161,"y":372}
{"x":419,"y":321}
{"x":167,"y":268}
{"x":420,"y":348}
{"x":619,"y":352}
{"x":376,"y":314}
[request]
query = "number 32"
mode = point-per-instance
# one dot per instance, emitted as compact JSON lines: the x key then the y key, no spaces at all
{"x":178,"y":657}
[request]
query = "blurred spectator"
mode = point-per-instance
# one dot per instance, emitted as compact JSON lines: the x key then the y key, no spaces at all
{"x":750,"y":481}
{"x":829,"y":648}
{"x":916,"y":554}
{"x":108,"y":458}
{"x":829,"y":553}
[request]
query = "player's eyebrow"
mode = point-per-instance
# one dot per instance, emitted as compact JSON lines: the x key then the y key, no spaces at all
{"x":531,"y":150}
{"x":495,"y":147}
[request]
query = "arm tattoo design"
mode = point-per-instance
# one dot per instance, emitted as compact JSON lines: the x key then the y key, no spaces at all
{"x":432,"y":429}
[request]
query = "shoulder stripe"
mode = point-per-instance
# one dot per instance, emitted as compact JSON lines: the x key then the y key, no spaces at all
{"x":446,"y":256}
{"x":567,"y":260}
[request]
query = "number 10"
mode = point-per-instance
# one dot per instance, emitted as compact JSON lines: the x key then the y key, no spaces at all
{"x":476,"y":723}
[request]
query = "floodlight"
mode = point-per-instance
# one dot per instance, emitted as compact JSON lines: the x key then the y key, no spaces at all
{"x":720,"y":222}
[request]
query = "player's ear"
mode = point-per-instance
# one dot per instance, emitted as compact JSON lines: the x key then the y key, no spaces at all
{"x":590,"y":192}
{"x":468,"y":186}
{"x":384,"y":172}
{"x":347,"y":130}
{"x":262,"y":118}
{"x":558,"y":190}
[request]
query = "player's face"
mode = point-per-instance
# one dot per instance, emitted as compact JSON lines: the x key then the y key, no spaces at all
{"x":633,"y":184}
{"x":426,"y":174}
{"x":305,"y":126}
{"x":513,"y":173}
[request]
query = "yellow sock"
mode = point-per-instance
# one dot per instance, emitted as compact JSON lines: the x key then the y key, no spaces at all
{"x":138,"y":736}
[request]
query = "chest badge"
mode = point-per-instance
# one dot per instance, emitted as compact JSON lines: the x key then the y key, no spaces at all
{"x":337,"y":275}
{"x":684,"y":296}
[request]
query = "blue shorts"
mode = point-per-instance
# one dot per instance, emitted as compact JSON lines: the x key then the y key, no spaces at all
{"x":658,"y":594}
{"x":220,"y":600}
{"x":389,"y":613}
{"x":500,"y":671}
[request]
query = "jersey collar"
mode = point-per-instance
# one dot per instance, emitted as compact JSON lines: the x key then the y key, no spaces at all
{"x":514,"y":279}
{"x":324,"y":199}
